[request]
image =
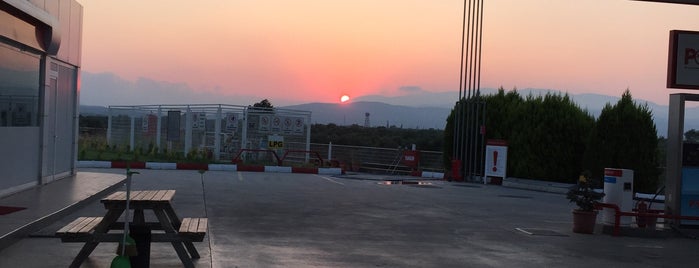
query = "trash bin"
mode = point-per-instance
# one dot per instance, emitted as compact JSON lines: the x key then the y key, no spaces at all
{"x":618,"y":190}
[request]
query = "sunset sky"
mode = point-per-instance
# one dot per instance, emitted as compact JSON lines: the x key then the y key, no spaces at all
{"x":318,"y":50}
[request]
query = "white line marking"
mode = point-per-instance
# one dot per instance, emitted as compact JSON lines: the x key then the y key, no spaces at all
{"x":645,"y":246}
{"x":240,"y":176}
{"x":329,"y":179}
{"x":523,"y":231}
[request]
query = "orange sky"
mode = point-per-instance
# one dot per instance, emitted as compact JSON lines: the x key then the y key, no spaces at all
{"x":317,"y":50}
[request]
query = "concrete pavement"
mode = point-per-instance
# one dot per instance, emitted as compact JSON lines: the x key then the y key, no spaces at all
{"x":47,"y":203}
{"x":309,"y":220}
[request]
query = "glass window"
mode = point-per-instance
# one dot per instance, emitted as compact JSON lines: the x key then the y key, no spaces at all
{"x":19,"y":87}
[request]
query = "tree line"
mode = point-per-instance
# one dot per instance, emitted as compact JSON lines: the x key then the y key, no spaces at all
{"x":551,"y":138}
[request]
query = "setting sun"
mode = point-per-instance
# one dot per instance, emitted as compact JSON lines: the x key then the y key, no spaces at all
{"x":344,"y":98}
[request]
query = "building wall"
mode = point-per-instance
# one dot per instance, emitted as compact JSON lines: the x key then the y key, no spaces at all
{"x":40,"y":45}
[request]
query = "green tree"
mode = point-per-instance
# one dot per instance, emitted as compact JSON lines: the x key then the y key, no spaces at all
{"x":546,"y":135}
{"x":550,"y":138}
{"x":263,"y":104}
{"x":625,"y":137}
{"x":691,"y":136}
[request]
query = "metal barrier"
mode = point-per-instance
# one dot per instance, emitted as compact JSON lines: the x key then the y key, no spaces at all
{"x":218,"y":129}
{"x":652,"y":214}
{"x":223,"y":131}
{"x":385,"y":160}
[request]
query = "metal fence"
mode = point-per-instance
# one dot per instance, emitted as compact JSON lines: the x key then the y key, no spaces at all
{"x":220,"y":131}
{"x":374,"y":159}
{"x":224,"y":132}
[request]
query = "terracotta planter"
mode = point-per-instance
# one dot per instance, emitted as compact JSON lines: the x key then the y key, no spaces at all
{"x":584,"y":221}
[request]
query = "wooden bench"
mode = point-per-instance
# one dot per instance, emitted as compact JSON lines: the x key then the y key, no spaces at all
{"x":79,"y":230}
{"x":193,"y":229}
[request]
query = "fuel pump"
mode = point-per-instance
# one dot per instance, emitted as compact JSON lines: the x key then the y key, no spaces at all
{"x":690,"y":182}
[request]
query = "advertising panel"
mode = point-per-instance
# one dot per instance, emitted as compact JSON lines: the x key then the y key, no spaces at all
{"x":232,"y":122}
{"x":264,"y":123}
{"x":276,"y":124}
{"x":298,"y":125}
{"x":683,"y":60}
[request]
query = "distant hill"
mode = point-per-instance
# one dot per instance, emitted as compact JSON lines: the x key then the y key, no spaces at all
{"x":593,"y":103}
{"x":383,"y":114}
{"x":380,"y":114}
{"x":415,"y":109}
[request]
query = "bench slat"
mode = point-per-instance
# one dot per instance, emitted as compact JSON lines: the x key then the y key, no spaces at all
{"x":76,"y":228}
{"x":70,"y":225}
{"x":138,"y":195}
{"x":168,"y":195}
{"x":89,"y":227}
{"x":194,"y":228}
{"x":203,"y":224}
{"x":81,"y":225}
{"x":185,"y":225}
{"x":159,"y":195}
{"x":149,"y":195}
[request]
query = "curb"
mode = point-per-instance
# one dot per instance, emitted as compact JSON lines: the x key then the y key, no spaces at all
{"x":213,"y":167}
{"x":232,"y":167}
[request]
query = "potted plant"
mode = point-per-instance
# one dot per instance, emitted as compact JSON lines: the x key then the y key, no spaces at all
{"x":585,"y":196}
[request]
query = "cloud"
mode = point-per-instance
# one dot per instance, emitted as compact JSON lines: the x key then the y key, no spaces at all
{"x":104,"y":89}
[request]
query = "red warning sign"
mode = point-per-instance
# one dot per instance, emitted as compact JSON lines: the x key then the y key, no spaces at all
{"x":496,"y":158}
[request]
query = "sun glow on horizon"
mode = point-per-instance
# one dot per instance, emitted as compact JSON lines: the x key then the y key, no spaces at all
{"x":344,"y":98}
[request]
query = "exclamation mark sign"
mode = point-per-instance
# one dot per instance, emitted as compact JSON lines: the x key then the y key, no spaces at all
{"x":495,"y":161}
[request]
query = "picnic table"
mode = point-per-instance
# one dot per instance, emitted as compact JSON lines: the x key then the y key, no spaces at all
{"x":94,"y":230}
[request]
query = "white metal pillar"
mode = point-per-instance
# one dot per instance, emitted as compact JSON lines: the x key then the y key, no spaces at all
{"x":308,"y":135}
{"x":109,"y":127}
{"x":158,"y":131}
{"x":188,"y":131}
{"x":132,"y":131}
{"x":330,"y":151}
{"x":217,"y":134}
{"x":244,"y":135}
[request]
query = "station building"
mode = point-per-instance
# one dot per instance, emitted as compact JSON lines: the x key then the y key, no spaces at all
{"x":40,"y":48}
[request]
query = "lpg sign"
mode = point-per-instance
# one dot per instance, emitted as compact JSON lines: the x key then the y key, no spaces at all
{"x":275,"y":142}
{"x":683,"y":62}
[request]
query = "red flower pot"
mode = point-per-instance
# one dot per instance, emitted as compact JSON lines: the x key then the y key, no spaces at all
{"x":584,"y":221}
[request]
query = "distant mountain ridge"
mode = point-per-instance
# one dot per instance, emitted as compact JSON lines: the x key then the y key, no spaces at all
{"x":380,"y":114}
{"x":416,"y":109}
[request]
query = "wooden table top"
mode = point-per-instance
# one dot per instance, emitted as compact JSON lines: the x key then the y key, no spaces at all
{"x":141,"y":196}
